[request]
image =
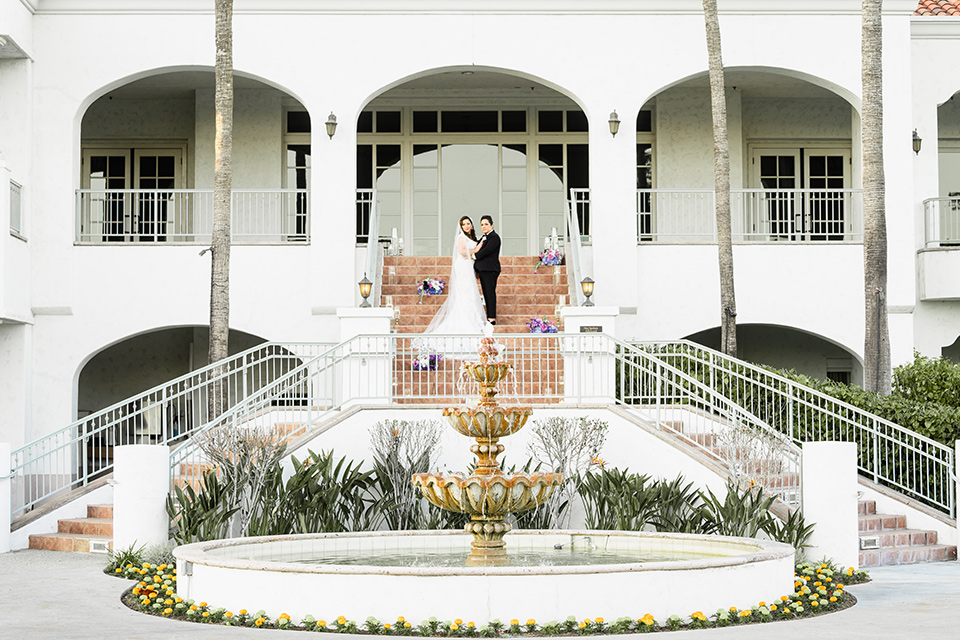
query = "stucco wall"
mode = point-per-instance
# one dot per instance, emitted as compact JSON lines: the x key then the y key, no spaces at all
{"x":796,"y":119}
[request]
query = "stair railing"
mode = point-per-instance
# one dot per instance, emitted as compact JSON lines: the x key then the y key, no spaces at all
{"x":887,"y":453}
{"x":82,"y":451}
{"x":374,"y":261}
{"x":754,"y":452}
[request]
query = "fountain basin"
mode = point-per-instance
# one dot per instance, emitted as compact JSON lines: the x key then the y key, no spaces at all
{"x":704,"y":573}
{"x":486,"y":422}
{"x":489,"y":495}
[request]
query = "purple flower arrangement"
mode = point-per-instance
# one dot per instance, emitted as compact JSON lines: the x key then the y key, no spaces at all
{"x":427,"y":362}
{"x":429,"y":287}
{"x":541,"y":325}
{"x":549,"y":258}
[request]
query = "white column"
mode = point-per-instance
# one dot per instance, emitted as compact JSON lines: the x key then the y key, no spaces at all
{"x":141,"y":484}
{"x":830,"y":500}
{"x":956,"y":476}
{"x":365,"y":375}
{"x":589,"y":363}
{"x":5,"y":497}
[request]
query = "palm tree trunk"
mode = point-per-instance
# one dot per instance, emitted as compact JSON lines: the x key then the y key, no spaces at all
{"x":222,"y":186}
{"x":876,"y":347}
{"x":721,"y":172}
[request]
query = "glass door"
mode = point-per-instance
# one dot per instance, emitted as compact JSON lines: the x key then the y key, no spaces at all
{"x":157,"y":171}
{"x":778,"y":174}
{"x":104,"y":212}
{"x":826,"y":202}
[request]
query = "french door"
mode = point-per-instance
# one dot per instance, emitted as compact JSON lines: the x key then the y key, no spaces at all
{"x":805,"y":191}
{"x":131,"y":195}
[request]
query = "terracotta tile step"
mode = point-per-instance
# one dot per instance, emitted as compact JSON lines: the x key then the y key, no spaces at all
{"x":880,"y":522}
{"x":67,"y":542}
{"x":902,"y":538}
{"x":88,"y":526}
{"x":866,"y":507}
{"x":100,"y":511}
{"x":907,"y":555}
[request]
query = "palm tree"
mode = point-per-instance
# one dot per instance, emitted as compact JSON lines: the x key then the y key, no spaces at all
{"x":721,"y":172}
{"x":876,"y":345}
{"x":222,"y":186}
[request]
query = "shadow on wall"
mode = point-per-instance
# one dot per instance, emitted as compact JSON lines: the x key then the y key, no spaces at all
{"x":786,"y":348}
{"x":145,"y":361}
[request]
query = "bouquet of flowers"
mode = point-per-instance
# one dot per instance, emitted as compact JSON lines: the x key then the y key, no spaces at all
{"x":549,"y":258}
{"x":541,"y":325}
{"x":430,"y":287}
{"x":427,"y":362}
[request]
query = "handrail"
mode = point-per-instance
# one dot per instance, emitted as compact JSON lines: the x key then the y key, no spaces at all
{"x":888,"y":453}
{"x":576,"y":249}
{"x":373,"y":252}
{"x":82,"y":451}
{"x":751,"y":449}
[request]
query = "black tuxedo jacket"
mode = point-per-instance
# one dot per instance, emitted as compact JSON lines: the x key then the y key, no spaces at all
{"x":488,"y":257}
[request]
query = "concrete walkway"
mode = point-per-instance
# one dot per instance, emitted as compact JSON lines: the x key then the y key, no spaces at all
{"x":53,"y":595}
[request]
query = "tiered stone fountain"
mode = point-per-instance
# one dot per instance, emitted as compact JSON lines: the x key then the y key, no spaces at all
{"x":487,"y":495}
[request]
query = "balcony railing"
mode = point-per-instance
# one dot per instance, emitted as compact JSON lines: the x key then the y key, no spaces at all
{"x":941,"y":222}
{"x":687,"y":216}
{"x":185,"y":216}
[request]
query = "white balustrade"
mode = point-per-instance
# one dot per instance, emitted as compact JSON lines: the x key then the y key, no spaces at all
{"x":941,"y":222}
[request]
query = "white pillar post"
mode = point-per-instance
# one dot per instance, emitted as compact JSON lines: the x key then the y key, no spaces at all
{"x":956,"y":480}
{"x":141,"y":483}
{"x":5,"y":486}
{"x":589,"y":363}
{"x":366,"y":375}
{"x":830,"y":501}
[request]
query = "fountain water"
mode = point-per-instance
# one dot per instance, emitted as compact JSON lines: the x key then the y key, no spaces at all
{"x":487,"y":495}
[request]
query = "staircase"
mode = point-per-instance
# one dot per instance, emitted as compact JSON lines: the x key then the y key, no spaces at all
{"x":93,"y":534}
{"x":886,"y":540}
{"x":521,"y":293}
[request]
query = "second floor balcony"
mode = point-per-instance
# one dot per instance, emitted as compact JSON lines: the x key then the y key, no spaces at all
{"x":688,"y":216}
{"x":185,"y":216}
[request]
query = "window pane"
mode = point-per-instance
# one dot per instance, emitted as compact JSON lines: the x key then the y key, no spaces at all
{"x":15,"y":215}
{"x":148,"y":166}
{"x":645,"y":121}
{"x":514,"y":121}
{"x":365,"y":122}
{"x":469,"y":121}
{"x":364,"y":166}
{"x":298,"y":122}
{"x":424,"y":121}
{"x":388,"y":122}
{"x":576,"y":121}
{"x":165,"y":166}
{"x":514,"y":155}
{"x":387,"y":155}
{"x":768,"y":165}
{"x":550,"y":120}
{"x":818,"y":165}
{"x":551,"y":154}
{"x":424,"y":155}
{"x":578,"y":166}
{"x":514,"y":178}
{"x":835,"y":165}
{"x":786,"y":166}
{"x":98,"y":165}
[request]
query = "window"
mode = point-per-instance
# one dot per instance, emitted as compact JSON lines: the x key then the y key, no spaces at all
{"x":16,"y":215}
{"x":296,"y":175}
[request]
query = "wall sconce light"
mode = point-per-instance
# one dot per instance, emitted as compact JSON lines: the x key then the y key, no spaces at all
{"x":365,"y":286}
{"x":917,"y":141}
{"x":587,"y":286}
{"x":614,"y":123}
{"x":331,"y":125}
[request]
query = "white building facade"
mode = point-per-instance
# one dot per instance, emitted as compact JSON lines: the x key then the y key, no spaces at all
{"x":446,"y":108}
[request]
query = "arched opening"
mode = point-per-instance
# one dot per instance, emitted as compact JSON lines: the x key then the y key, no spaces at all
{"x":788,"y":348}
{"x":147,"y":162}
{"x":146,"y":360}
{"x":470,"y":141}
{"x":794,"y":170}
{"x":943,"y":212}
{"x":952,"y":352}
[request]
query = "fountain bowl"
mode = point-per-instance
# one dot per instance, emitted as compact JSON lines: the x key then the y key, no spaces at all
{"x":489,"y":495}
{"x":704,"y":573}
{"x":487,"y":422}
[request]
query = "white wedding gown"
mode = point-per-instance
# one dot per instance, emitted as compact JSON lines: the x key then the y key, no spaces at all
{"x":462,"y":312}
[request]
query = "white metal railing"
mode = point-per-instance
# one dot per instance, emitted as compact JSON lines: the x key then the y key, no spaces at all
{"x":941,"y":222}
{"x":365,"y":211}
{"x":579,"y":198}
{"x":680,"y":216}
{"x":889,"y":454}
{"x":185,"y":216}
{"x":82,"y":451}
{"x":547,"y":368}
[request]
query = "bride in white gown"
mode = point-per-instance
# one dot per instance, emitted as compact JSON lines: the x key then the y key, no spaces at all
{"x":462,"y":313}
